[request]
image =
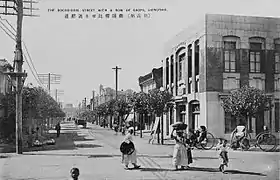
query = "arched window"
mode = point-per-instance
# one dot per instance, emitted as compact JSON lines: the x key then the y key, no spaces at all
{"x":230,"y":45}
{"x":167,"y":71}
{"x":181,"y":57}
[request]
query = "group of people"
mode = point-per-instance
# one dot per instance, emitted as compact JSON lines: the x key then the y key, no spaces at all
{"x":182,"y":153}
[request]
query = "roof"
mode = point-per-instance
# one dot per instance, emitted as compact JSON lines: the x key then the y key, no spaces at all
{"x":156,"y":75}
{"x":4,"y":63}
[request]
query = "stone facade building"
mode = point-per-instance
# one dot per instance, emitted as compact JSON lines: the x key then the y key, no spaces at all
{"x":220,"y":53}
{"x":5,"y":82}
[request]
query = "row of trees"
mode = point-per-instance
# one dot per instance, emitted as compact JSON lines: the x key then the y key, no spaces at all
{"x":37,"y":105}
{"x":156,"y":101}
{"x":240,"y":103}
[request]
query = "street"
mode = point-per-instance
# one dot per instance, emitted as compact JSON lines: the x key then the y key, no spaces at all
{"x":95,"y":151}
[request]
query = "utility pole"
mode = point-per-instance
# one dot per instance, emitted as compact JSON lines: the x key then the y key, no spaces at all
{"x":19,"y":75}
{"x":117,"y":68}
{"x":56,"y":95}
{"x":49,"y":79}
{"x":49,"y":82}
{"x":92,"y":107}
{"x":85,"y":103}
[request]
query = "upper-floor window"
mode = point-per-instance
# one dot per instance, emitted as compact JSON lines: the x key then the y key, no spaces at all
{"x":255,"y":57}
{"x":167,"y":71}
{"x":230,"y":46}
{"x":230,"y":56}
{"x":277,"y":56}
{"x":277,"y":62}
{"x":172,"y":68}
{"x":257,"y":44}
{"x":181,"y":61}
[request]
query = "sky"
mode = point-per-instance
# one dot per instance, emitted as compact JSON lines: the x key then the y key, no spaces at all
{"x":84,"y":51}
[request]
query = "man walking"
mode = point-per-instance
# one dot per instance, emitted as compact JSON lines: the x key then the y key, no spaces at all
{"x":57,"y":128}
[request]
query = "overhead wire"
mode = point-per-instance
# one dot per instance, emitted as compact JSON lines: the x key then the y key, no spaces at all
{"x":27,"y":61}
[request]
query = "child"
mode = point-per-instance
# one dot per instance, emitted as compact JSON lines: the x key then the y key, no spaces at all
{"x":151,"y":140}
{"x":223,"y":153}
{"x":75,"y":172}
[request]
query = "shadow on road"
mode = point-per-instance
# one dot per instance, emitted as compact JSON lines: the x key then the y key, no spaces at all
{"x":87,"y":146}
{"x":243,"y":172}
{"x":226,"y":171}
{"x":153,"y":169}
{"x":66,"y":141}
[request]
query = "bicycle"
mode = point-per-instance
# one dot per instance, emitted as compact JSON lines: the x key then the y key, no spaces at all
{"x":265,"y":140}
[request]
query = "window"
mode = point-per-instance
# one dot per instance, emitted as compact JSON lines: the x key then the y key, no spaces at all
{"x":181,"y":60}
{"x":277,"y":128}
{"x":255,"y":57}
{"x":277,"y":62}
{"x":257,"y":83}
{"x":277,"y":84}
{"x":167,"y":71}
{"x":277,"y":58}
{"x":230,"y":56}
{"x":172,"y":68}
{"x":230,"y":123}
{"x":230,"y":83}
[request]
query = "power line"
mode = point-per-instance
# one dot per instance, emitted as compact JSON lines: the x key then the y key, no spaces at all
{"x":8,"y":23}
{"x":7,"y":33}
{"x":39,"y":82}
{"x":36,"y":77}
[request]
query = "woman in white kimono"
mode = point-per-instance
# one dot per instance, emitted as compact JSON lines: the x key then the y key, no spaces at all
{"x":180,"y":153}
{"x":129,"y":158}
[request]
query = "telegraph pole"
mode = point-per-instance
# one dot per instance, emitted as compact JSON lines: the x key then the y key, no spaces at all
{"x":49,"y":79}
{"x":49,"y":82}
{"x":56,"y":95}
{"x":117,"y":68}
{"x":20,"y":76}
{"x":92,"y":108}
{"x":19,"y":84}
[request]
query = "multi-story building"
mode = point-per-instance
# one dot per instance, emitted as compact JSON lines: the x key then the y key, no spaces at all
{"x":5,"y":82}
{"x":220,"y":53}
{"x":150,"y":81}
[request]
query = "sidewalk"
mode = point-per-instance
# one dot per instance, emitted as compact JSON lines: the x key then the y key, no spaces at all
{"x":169,"y":143}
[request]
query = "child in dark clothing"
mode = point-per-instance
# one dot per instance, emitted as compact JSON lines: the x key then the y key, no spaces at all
{"x":223,"y":147}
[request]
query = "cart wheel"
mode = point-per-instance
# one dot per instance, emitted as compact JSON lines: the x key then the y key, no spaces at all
{"x":209,"y":142}
{"x":267,"y":142}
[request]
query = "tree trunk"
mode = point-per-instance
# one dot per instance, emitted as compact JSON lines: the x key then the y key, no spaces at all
{"x":141,"y":122}
{"x":161,"y":123}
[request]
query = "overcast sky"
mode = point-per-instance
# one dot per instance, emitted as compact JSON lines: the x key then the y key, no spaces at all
{"x":84,"y":51}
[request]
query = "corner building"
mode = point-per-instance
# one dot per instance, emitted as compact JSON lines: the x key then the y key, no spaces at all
{"x":220,"y":53}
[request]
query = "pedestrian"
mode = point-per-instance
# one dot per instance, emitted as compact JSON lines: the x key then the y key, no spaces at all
{"x":152,"y":138}
{"x":129,"y":157}
{"x":116,"y":128}
{"x":57,"y":128}
{"x":223,"y":147}
{"x":74,"y":173}
{"x":181,"y":154}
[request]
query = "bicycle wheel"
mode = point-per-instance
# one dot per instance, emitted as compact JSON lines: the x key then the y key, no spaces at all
{"x":267,"y":142}
{"x":209,"y":142}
